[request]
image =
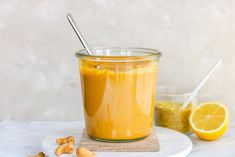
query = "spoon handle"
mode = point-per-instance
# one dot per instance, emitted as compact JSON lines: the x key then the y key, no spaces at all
{"x":78,"y":33}
{"x":201,"y":83}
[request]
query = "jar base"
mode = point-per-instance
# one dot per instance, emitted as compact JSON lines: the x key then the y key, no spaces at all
{"x":116,"y":141}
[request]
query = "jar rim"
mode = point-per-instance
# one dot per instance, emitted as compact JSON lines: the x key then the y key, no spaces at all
{"x":126,"y":53}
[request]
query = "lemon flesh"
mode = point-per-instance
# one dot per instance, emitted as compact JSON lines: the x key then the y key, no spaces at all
{"x":209,"y":121}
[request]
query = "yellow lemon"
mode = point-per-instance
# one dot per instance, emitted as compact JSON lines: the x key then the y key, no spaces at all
{"x":209,"y":121}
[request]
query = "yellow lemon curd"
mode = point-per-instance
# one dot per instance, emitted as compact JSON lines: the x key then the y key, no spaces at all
{"x":118,"y":98}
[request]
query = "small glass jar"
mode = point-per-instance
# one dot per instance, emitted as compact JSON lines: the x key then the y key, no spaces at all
{"x":168,"y":111}
{"x":118,"y":88}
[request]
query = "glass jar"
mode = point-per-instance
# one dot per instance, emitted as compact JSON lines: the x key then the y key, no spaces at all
{"x":118,"y":88}
{"x":168,"y":111}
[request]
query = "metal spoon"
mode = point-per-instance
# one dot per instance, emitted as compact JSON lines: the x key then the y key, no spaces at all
{"x":79,"y":34}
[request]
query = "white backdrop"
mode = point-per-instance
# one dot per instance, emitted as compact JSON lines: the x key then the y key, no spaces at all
{"x":39,"y":77}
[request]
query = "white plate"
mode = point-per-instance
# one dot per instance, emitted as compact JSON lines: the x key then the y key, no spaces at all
{"x":172,"y":143}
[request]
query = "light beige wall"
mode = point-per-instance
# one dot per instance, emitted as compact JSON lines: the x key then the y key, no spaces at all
{"x":39,"y":78}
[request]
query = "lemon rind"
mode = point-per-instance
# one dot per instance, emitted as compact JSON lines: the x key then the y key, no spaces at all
{"x":210,"y":131}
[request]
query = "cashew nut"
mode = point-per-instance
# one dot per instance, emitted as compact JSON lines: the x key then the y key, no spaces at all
{"x":83,"y":152}
{"x":64,"y":149}
{"x":64,"y":140}
{"x":40,"y":154}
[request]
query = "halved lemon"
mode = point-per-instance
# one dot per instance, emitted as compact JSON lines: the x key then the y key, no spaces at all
{"x":210,"y":120}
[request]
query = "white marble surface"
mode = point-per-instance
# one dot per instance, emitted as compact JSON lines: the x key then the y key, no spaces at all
{"x":37,"y":47}
{"x":20,"y":139}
